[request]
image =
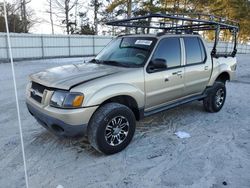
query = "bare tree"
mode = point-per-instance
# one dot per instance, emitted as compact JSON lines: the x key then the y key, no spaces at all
{"x":95,"y":16}
{"x":96,"y":4}
{"x":64,"y":7}
{"x":24,"y":14}
{"x":19,"y":20}
{"x":50,"y":11}
{"x":129,"y":8}
{"x":129,"y":12}
{"x":123,"y":7}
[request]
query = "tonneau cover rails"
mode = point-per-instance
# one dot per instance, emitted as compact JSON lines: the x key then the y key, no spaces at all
{"x":185,"y":23}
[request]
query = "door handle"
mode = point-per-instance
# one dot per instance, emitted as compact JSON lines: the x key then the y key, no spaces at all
{"x":166,"y":79}
{"x":206,"y":68}
{"x":177,"y":73}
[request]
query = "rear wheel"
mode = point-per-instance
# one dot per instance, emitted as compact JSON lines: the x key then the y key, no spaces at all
{"x":111,"y":128}
{"x":215,"y":98}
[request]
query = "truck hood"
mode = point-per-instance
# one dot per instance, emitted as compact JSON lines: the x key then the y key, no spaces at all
{"x":68,"y":76}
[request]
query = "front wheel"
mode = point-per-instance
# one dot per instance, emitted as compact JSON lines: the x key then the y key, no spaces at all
{"x":111,"y":128}
{"x":215,"y":98}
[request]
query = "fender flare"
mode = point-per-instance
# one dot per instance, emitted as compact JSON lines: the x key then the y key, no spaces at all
{"x":115,"y":90}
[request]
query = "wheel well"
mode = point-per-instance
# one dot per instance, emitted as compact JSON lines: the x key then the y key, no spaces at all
{"x":223,"y":77}
{"x":128,"y":101}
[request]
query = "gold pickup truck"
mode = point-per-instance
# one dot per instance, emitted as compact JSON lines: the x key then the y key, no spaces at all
{"x":132,"y":77}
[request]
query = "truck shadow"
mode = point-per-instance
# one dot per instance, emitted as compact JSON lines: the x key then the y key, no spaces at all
{"x":170,"y":120}
{"x":79,"y":144}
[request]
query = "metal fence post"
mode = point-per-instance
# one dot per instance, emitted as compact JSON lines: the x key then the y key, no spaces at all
{"x":69,"y":45}
{"x":42,"y":46}
{"x":239,"y":48}
{"x":93,"y":45}
{"x":6,"y":42}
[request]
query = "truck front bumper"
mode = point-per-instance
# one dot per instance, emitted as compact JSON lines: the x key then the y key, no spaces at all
{"x":61,"y":122}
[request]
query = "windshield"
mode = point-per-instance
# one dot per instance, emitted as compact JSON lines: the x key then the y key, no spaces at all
{"x":126,"y":51}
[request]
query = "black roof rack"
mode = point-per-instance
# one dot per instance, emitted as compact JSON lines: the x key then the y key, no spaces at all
{"x":187,"y":23}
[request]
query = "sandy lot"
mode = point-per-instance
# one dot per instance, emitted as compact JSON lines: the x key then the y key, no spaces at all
{"x":217,"y":152}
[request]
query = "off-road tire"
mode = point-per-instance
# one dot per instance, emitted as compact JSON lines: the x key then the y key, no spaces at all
{"x":210,"y":103}
{"x":96,"y":130}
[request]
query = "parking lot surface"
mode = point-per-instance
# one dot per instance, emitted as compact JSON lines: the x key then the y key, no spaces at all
{"x":216,"y":155}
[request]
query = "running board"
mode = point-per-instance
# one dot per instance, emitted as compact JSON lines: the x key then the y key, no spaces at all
{"x":178,"y":103}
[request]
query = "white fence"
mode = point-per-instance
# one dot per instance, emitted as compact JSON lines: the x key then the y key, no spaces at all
{"x":228,"y":47}
{"x":47,"y":46}
{"x":30,"y":46}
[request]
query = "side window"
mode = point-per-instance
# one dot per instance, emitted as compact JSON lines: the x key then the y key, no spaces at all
{"x":194,"y":48}
{"x":203,"y":53}
{"x":170,"y":50}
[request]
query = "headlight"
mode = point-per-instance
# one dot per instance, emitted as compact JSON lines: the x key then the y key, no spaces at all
{"x":64,"y":99}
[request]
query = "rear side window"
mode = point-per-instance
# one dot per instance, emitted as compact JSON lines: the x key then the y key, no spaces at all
{"x":170,"y":50}
{"x":195,"y":52}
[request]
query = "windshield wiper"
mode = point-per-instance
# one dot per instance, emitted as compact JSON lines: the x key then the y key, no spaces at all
{"x":95,"y":61}
{"x":118,"y":63}
{"x":112,"y":62}
{"x":115,"y":63}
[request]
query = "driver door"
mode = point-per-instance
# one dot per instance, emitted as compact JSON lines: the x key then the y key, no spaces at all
{"x":164,"y":86}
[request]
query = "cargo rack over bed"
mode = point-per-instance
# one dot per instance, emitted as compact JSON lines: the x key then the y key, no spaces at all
{"x":187,"y":23}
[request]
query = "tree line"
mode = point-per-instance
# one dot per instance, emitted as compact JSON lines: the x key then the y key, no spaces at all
{"x":20,"y":18}
{"x":81,"y":17}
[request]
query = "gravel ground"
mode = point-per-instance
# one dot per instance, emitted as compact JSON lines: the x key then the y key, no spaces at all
{"x":216,"y":155}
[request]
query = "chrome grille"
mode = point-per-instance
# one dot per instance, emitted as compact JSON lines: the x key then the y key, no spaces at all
{"x":35,"y":97}
{"x":36,"y":91}
{"x":38,"y":87}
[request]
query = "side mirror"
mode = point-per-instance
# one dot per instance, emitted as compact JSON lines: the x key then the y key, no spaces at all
{"x":157,"y":64}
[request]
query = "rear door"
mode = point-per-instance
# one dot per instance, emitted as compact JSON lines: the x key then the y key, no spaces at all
{"x":163,"y":86}
{"x":197,"y":66}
